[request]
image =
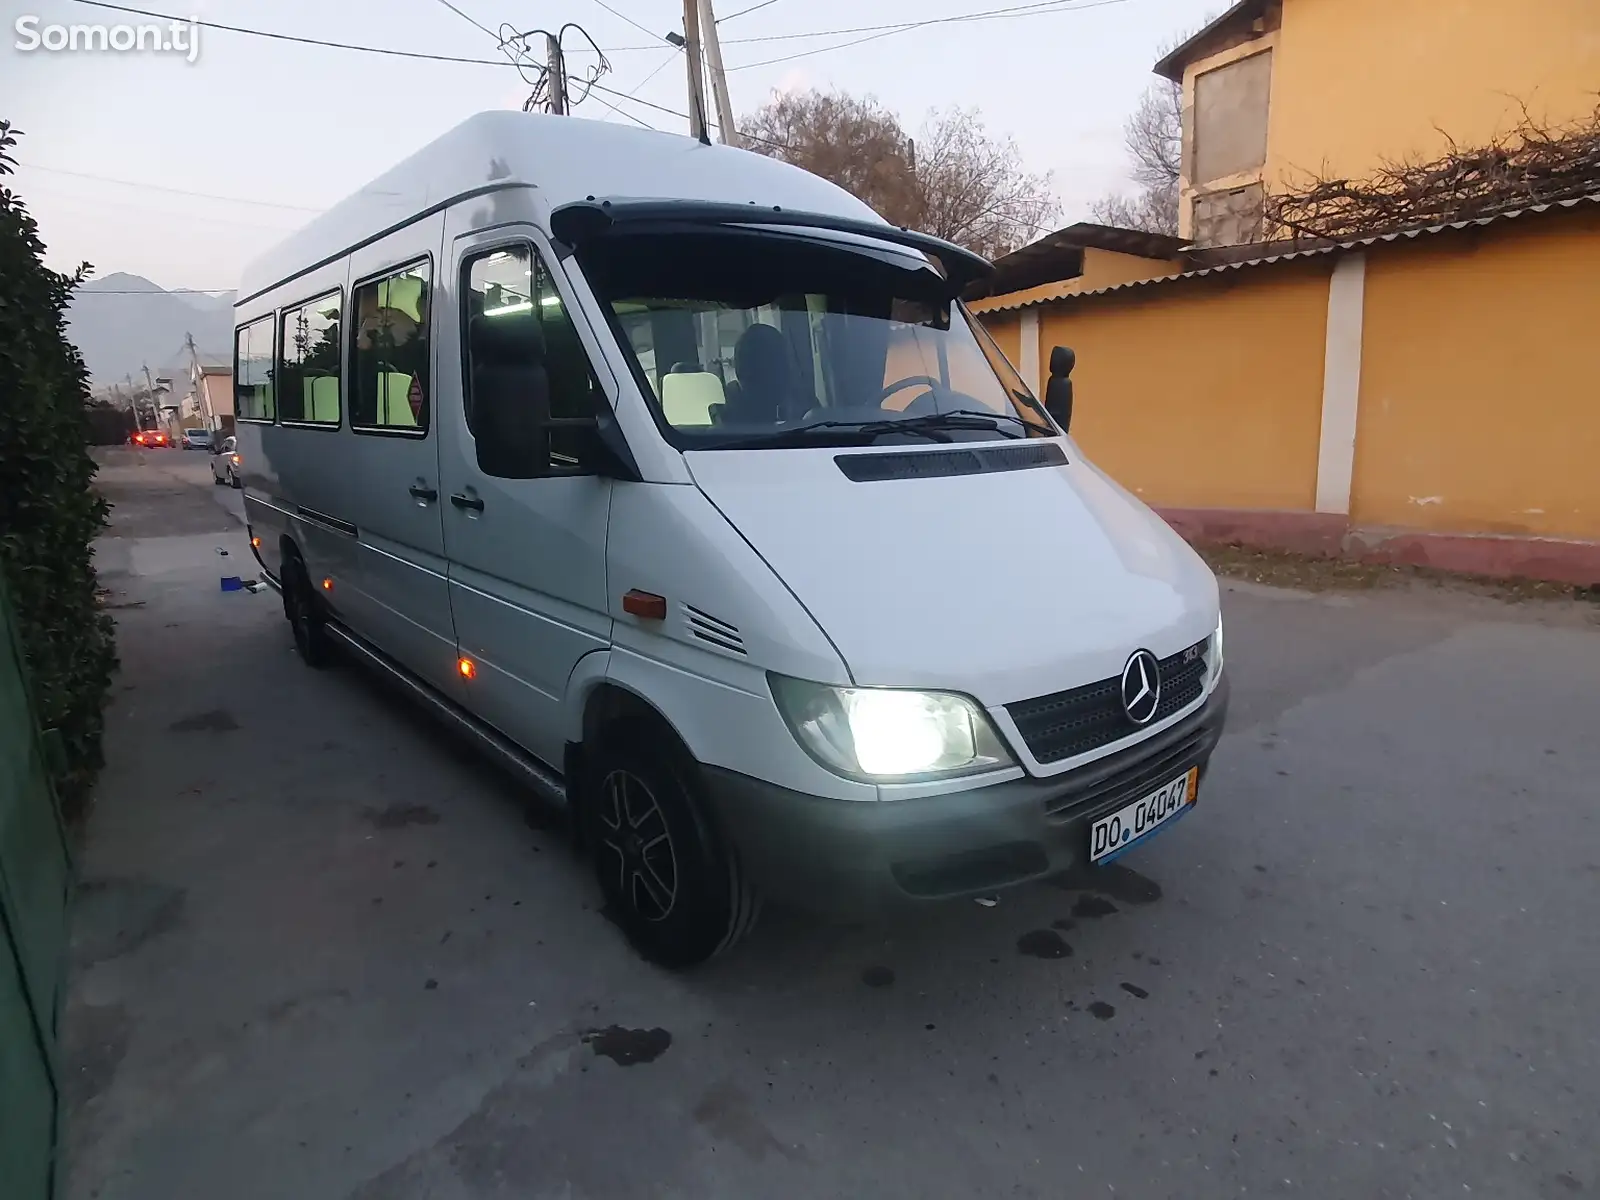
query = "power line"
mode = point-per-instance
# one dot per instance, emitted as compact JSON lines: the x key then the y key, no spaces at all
{"x":1043,"y":8}
{"x":682,"y":116}
{"x":304,"y":41}
{"x":1040,"y":9}
{"x":155,"y":187}
{"x":99,"y":205}
{"x":742,"y":11}
{"x":471,"y":20}
{"x":625,"y":17}
{"x":633,"y":94}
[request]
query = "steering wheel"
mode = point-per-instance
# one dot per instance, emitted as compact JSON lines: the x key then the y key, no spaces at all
{"x":900,"y":385}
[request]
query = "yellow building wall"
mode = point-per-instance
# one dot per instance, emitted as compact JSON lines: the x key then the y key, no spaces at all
{"x":1480,"y":383}
{"x":1101,"y":269}
{"x":1107,"y":268}
{"x":1355,"y":82}
{"x":1203,"y":394}
{"x":1006,"y":330}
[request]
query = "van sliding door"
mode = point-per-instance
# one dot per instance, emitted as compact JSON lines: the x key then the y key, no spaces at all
{"x":393,"y":372}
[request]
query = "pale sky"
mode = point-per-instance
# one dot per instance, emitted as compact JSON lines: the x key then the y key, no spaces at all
{"x":297,"y":126}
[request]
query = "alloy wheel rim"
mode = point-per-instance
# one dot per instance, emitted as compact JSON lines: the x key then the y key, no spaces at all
{"x":635,"y":836}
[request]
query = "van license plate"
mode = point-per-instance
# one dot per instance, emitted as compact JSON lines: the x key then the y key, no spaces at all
{"x":1131,"y":824}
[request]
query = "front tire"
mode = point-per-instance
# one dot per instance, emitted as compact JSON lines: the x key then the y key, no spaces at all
{"x":670,"y":882}
{"x":304,"y":612}
{"x":233,"y":480}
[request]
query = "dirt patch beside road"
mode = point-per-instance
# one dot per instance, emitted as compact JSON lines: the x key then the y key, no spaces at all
{"x":1310,"y":574}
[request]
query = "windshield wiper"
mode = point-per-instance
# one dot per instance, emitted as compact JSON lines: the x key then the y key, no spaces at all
{"x":932,"y":426}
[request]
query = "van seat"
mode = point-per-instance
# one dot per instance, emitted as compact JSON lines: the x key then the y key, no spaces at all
{"x":688,"y":396}
{"x":394,"y":403}
{"x":322,"y":398}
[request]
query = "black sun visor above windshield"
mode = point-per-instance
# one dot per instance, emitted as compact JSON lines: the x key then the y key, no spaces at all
{"x":587,"y":220}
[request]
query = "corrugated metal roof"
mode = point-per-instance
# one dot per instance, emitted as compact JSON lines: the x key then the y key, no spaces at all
{"x":1058,"y":257}
{"x":1399,"y":235}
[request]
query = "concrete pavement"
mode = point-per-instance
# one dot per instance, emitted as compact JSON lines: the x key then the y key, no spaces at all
{"x":320,"y":952}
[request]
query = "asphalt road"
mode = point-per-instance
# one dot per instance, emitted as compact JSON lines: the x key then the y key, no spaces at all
{"x":319,"y":952}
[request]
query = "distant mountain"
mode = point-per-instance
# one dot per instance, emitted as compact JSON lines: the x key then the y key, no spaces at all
{"x":123,"y":323}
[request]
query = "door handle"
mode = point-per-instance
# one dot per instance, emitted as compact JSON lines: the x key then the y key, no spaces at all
{"x":461,"y":500}
{"x":426,"y":494}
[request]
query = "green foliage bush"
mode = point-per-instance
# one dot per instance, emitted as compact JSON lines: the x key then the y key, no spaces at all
{"x":49,"y":515}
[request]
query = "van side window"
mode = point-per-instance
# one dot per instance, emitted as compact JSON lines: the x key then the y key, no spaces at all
{"x":389,"y":363}
{"x":308,"y":362}
{"x":252,"y":371}
{"x":529,"y":388}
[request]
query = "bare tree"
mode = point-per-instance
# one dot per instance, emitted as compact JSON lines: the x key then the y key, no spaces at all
{"x":972,"y":189}
{"x":1153,"y":135}
{"x":955,"y":180}
{"x":852,"y":141}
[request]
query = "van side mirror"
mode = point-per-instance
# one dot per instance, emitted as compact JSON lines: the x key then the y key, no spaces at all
{"x":1058,"y":390}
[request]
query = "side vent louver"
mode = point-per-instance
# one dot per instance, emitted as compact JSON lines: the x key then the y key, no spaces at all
{"x":712,"y":631}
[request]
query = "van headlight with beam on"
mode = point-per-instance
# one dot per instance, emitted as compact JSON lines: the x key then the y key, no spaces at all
{"x":889,"y":734}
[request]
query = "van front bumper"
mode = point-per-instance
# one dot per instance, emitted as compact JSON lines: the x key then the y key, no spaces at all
{"x":853,"y":857}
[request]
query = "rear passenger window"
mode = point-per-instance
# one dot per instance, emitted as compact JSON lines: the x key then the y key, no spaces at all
{"x":252,"y":371}
{"x":389,"y":375}
{"x":530,"y":392}
{"x":308,"y":364}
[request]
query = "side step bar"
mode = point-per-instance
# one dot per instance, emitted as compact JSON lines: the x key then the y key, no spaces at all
{"x":546,"y":783}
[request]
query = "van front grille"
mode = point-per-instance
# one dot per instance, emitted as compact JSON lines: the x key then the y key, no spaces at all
{"x":1082,"y":719}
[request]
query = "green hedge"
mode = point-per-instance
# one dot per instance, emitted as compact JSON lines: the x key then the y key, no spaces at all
{"x":49,"y":515}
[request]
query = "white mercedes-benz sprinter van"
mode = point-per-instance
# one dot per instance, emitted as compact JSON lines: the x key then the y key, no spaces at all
{"x":685,"y":485}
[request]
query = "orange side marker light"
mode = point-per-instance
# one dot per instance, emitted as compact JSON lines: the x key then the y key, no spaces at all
{"x":327,"y":585}
{"x":645,"y":604}
{"x":255,"y":543}
{"x":467,"y":667}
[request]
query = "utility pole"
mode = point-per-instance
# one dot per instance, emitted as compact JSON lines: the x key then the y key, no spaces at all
{"x":558,"y":75}
{"x":726,"y":133}
{"x":150,"y":391}
{"x":197,"y":376}
{"x":691,"y":52}
{"x":138,"y":417}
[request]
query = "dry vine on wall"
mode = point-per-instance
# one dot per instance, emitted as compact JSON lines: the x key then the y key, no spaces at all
{"x":1532,"y":164}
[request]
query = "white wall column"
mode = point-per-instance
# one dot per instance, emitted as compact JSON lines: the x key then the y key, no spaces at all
{"x":1341,"y":384}
{"x":1029,"y":366}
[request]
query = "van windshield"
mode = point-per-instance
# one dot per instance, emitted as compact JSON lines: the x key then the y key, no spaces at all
{"x":747,"y":339}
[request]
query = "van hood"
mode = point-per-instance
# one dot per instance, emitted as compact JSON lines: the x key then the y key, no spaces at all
{"x":1002,"y":586}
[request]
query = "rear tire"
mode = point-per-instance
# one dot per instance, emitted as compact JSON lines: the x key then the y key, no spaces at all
{"x":671,"y":884}
{"x":306,"y":619}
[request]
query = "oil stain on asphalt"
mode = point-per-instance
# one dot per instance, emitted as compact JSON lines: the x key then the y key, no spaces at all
{"x":628,"y":1047}
{"x":398,"y":816}
{"x":1043,"y":943}
{"x":1089,"y":907}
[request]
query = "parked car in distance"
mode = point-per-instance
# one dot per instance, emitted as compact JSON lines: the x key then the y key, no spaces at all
{"x":150,"y":439}
{"x":225,"y":463}
{"x":197,"y":439}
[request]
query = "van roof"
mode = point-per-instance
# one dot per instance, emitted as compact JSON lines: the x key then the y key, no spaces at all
{"x":564,"y":159}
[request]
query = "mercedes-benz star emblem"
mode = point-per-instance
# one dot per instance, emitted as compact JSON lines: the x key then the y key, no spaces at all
{"x":1141,"y":687}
